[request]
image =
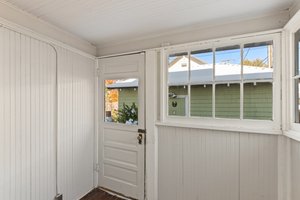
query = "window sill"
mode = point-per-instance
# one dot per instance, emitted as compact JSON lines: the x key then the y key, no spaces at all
{"x":229,"y":125}
{"x":293,"y":134}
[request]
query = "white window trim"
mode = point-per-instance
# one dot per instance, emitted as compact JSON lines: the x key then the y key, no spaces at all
{"x":291,"y":129}
{"x":237,"y":125}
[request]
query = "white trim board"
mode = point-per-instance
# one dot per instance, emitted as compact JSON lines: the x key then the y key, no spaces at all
{"x":198,"y":33}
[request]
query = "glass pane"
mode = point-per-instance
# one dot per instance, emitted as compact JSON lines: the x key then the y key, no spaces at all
{"x":258,"y":101}
{"x":297,"y":52}
{"x":201,"y":100}
{"x":228,"y":101}
{"x":228,"y":63}
{"x":201,"y":66}
{"x":258,"y":61}
{"x":178,"y":99}
{"x":297,"y":101}
{"x":178,"y":69}
{"x":121,"y":101}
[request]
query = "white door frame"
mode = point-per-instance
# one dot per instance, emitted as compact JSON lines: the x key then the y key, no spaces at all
{"x":100,"y":116}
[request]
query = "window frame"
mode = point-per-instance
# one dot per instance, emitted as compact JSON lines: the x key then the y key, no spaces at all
{"x":290,"y":128}
{"x":239,"y":125}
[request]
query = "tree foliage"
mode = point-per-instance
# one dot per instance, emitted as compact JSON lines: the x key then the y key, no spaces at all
{"x":128,"y":114}
{"x":256,"y":63}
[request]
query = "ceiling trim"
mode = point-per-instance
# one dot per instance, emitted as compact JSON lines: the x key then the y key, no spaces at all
{"x":198,"y":33}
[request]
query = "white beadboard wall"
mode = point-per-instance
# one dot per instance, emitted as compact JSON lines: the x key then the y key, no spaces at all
{"x":295,"y":170}
{"x":27,"y":118}
{"x":212,"y":165}
{"x":76,"y":122}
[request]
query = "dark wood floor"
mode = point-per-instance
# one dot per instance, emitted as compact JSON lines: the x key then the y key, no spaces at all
{"x":98,"y":194}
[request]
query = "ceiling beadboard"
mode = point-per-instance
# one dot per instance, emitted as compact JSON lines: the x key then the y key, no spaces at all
{"x":111,"y":21}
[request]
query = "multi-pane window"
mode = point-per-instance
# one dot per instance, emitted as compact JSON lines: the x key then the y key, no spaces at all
{"x":297,"y":77}
{"x":234,"y":81}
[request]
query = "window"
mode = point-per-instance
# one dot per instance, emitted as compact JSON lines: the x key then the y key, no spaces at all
{"x":297,"y":77}
{"x":226,"y":82}
{"x":121,"y":101}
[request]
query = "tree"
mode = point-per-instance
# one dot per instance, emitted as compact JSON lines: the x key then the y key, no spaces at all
{"x":256,"y":63}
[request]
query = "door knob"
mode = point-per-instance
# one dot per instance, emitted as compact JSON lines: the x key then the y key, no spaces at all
{"x":140,"y":138}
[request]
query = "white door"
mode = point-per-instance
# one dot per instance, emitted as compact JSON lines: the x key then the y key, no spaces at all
{"x":121,"y":160}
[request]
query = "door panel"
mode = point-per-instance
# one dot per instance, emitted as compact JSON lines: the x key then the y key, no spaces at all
{"x":121,"y":157}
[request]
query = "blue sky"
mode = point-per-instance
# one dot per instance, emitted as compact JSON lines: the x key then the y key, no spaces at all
{"x":233,"y":56}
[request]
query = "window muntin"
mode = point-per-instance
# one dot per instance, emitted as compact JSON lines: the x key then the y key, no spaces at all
{"x":121,"y":101}
{"x":227,"y":73}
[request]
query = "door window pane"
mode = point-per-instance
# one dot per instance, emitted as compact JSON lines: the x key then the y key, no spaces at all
{"x":178,"y":100}
{"x":227,"y":101}
{"x":258,"y":101}
{"x":201,"y":100}
{"x":258,"y":61}
{"x":228,"y":63}
{"x":121,"y":101}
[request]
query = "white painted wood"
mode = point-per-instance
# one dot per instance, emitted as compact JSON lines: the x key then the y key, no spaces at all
{"x":27,"y":96}
{"x":12,"y":16}
{"x":126,"y":20}
{"x":295,"y":173}
{"x":76,"y":124}
{"x":258,"y":167}
{"x":244,"y":125}
{"x":121,"y":157}
{"x":151,"y":101}
{"x":200,"y":164}
{"x":197,"y":32}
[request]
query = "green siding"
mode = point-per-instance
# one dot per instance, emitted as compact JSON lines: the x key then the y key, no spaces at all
{"x":128,"y":96}
{"x":201,"y":100}
{"x":258,"y":101}
{"x":179,"y":90}
{"x":228,"y":101}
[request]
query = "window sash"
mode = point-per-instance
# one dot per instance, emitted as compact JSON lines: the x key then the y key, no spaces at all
{"x":275,"y":41}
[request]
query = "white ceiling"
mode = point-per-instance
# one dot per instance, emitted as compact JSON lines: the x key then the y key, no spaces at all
{"x":111,"y":21}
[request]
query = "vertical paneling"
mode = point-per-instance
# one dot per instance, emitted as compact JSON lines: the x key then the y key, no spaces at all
{"x":258,"y":167}
{"x":27,"y":115}
{"x":295,"y":170}
{"x":212,"y":165}
{"x":76,"y":79}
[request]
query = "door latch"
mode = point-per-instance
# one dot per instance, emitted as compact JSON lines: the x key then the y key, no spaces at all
{"x":140,"y":138}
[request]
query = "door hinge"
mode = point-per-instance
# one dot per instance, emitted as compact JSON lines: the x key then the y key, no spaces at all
{"x":96,"y":167}
{"x":98,"y":72}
